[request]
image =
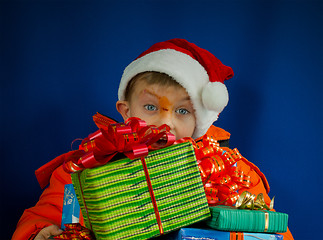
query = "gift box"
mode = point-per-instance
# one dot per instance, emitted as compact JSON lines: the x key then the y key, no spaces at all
{"x":210,"y":234}
{"x":201,"y":234}
{"x":244,"y":220}
{"x":143,"y":197}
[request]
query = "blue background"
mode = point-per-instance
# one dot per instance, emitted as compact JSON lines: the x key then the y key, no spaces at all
{"x":61,"y":62}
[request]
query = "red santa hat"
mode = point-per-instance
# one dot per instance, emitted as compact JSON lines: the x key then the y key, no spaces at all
{"x":196,"y":69}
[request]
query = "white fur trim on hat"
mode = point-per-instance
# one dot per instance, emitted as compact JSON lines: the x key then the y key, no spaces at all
{"x":190,"y":74}
{"x":215,"y":92}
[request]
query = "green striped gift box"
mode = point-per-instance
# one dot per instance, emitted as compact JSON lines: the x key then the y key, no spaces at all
{"x":243,"y":220}
{"x":116,"y":202}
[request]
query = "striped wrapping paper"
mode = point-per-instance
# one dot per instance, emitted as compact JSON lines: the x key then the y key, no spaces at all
{"x":243,"y":220}
{"x":116,"y":203}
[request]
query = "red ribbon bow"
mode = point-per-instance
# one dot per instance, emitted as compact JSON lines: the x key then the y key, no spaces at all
{"x":75,"y":231}
{"x":220,"y":177}
{"x":133,"y":138}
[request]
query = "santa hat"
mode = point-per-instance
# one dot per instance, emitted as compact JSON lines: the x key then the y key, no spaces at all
{"x":196,"y":69}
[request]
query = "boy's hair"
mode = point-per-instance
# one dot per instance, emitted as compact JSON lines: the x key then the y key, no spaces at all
{"x":150,"y":77}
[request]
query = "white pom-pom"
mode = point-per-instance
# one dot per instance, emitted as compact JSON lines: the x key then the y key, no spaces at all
{"x":215,"y":96}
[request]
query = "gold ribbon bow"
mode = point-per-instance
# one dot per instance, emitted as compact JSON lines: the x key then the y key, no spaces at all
{"x":253,"y":202}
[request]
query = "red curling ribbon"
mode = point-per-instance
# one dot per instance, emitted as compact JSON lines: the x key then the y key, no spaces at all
{"x":211,"y":168}
{"x":210,"y":189}
{"x":133,"y":138}
{"x":246,"y":182}
{"x":212,"y":201}
{"x":75,"y":231}
{"x":221,"y":178}
{"x":228,"y":200}
{"x":228,"y":159}
{"x":236,"y":174}
{"x":228,"y":188}
{"x":186,"y":139}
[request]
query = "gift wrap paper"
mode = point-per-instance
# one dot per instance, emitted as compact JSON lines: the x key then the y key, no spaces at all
{"x":116,"y":203}
{"x":210,"y":234}
{"x":243,"y":220}
{"x":71,"y":207}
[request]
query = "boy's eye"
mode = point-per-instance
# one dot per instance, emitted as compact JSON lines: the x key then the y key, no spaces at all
{"x":150,"y":107}
{"x":182,"y":111}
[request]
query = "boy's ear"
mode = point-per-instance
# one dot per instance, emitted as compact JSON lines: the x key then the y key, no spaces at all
{"x":124,"y":109}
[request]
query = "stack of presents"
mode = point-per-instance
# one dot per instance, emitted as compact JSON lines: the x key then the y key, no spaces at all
{"x":134,"y":181}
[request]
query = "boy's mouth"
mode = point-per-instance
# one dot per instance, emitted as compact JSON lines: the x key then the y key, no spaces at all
{"x":159,"y":144}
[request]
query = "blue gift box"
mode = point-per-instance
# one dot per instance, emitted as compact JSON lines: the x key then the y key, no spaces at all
{"x":210,"y":234}
{"x":202,"y":234}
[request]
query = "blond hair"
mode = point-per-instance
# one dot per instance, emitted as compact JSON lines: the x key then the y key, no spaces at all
{"x":150,"y":78}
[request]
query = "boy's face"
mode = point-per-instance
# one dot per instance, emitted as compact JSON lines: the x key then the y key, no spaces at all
{"x":157,"y":105}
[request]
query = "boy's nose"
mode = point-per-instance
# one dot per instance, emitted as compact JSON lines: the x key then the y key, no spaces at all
{"x":167,"y":119}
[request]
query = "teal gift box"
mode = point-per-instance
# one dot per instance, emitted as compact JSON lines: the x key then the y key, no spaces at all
{"x":120,"y":201}
{"x":244,"y":220}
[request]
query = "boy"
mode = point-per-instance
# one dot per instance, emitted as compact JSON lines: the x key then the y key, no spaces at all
{"x":174,"y":83}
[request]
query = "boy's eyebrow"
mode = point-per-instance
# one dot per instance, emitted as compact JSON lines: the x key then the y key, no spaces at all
{"x":150,"y":93}
{"x":187,"y":98}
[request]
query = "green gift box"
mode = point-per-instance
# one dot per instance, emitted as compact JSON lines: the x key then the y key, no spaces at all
{"x":245,"y":220}
{"x":136,"y":199}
